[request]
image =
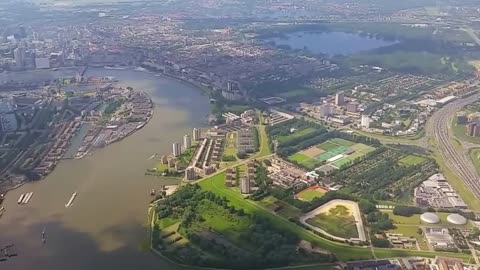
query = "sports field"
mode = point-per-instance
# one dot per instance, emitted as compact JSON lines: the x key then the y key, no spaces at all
{"x":310,"y":193}
{"x":344,"y":151}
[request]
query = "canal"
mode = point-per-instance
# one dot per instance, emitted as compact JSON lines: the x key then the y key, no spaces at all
{"x":106,"y":226}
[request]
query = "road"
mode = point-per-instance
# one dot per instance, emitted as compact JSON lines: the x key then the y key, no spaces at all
{"x":438,"y":128}
{"x":472,"y":34}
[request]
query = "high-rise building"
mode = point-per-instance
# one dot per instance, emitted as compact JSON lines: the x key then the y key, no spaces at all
{"x":365,"y":122}
{"x":190,"y":173}
{"x":324,"y":110}
{"x":473,"y":129}
{"x":196,"y":134}
{"x":176,"y":149}
{"x":19,"y":56}
{"x":339,"y":99}
{"x":245,"y":186}
{"x":187,"y":141}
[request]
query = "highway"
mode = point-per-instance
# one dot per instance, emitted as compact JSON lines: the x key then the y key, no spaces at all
{"x":457,"y":162}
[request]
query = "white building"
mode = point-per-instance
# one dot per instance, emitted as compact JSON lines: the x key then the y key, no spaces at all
{"x":187,"y":141}
{"x":42,"y":63}
{"x":176,"y":150}
{"x":196,"y":134}
{"x":365,"y":122}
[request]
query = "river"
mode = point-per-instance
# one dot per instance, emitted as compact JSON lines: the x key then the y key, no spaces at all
{"x":106,"y":226}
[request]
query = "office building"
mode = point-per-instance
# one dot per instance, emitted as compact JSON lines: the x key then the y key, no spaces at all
{"x":196,"y":134}
{"x":176,"y":150}
{"x":339,"y":99}
{"x":365,"y":122}
{"x":187,"y":141}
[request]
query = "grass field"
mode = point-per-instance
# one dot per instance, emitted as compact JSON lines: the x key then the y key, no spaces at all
{"x":475,"y":157}
{"x":264,"y":145}
{"x":230,"y":145}
{"x":327,"y":146}
{"x":339,"y":163}
{"x":343,"y":252}
{"x":460,"y":131}
{"x":415,"y":220}
{"x":338,"y":221}
{"x":296,"y":134}
{"x":412,"y":160}
{"x":310,"y":193}
{"x":166,"y":222}
{"x":342,"y":142}
{"x":298,"y":157}
{"x":411,"y":231}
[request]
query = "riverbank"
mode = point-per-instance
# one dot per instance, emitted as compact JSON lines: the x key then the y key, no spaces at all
{"x":107,"y":222}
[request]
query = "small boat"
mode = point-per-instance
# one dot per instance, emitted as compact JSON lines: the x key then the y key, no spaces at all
{"x":20,"y":199}
{"x":44,"y":239}
{"x":152,"y":193}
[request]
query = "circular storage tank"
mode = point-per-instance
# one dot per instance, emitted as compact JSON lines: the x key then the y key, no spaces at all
{"x":456,"y":219}
{"x":430,"y":218}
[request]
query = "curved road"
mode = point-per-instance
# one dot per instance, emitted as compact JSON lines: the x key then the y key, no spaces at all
{"x":456,"y":161}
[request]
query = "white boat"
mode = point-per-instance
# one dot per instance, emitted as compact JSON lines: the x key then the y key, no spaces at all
{"x":28,"y":197}
{"x":70,"y":202}
{"x":20,"y":199}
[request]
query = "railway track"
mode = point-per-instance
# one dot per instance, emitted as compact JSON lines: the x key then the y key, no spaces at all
{"x":456,"y":161}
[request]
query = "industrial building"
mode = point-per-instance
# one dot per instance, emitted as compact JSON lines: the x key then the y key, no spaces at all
{"x":456,"y":219}
{"x":430,"y":218}
{"x":438,"y":193}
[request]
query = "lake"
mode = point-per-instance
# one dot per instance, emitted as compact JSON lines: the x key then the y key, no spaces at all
{"x":106,"y":226}
{"x":331,"y":43}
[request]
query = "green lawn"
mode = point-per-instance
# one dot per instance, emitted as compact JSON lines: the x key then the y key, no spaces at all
{"x":341,"y":225}
{"x":296,"y":134}
{"x":412,"y":160}
{"x":475,"y":157}
{"x":264,"y":145}
{"x":415,"y":220}
{"x":310,"y":194}
{"x":342,"y":142}
{"x":460,"y":131}
{"x":327,"y":146}
{"x":298,"y":157}
{"x":339,"y":163}
{"x":411,"y":231}
{"x":166,"y":222}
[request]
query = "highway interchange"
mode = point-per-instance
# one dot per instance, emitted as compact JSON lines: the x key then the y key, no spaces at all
{"x":438,"y":128}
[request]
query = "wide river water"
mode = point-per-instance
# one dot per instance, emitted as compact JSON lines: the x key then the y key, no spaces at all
{"x":106,"y":226}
